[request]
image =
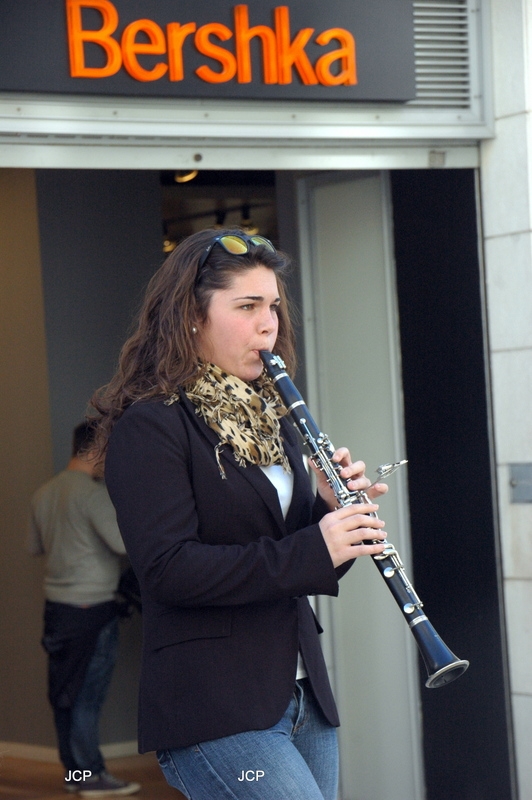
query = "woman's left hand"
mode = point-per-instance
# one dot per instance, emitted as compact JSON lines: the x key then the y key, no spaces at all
{"x":353,"y":472}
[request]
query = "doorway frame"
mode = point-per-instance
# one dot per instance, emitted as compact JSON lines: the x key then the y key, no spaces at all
{"x":312,"y":325}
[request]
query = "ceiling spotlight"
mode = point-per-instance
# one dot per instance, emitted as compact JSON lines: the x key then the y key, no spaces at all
{"x":185,"y":175}
{"x":169,"y":245}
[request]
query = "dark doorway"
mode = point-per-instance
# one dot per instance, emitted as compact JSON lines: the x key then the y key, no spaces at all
{"x":466,"y":725}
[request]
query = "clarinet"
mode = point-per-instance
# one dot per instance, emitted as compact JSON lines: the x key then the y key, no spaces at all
{"x":441,"y":664}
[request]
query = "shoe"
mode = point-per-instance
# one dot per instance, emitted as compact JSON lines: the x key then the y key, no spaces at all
{"x":71,"y":786}
{"x":105,"y":785}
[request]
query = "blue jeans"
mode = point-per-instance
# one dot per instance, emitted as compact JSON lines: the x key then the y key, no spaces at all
{"x":78,"y":727}
{"x":296,"y":759}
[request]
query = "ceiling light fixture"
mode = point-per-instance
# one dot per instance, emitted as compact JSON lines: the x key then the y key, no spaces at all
{"x":185,"y":175}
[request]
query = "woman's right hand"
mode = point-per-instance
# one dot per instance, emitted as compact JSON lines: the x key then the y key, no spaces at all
{"x":346,"y":529}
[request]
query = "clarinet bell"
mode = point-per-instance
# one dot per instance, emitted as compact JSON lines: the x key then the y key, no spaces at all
{"x":441,"y":663}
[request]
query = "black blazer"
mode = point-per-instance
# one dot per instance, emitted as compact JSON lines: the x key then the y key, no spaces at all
{"x":224,"y":578}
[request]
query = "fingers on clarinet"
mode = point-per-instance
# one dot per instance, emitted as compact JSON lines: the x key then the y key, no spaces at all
{"x":359,"y":509}
{"x":377,"y":489}
{"x":354,"y":471}
{"x":356,"y":483}
{"x":342,"y":454}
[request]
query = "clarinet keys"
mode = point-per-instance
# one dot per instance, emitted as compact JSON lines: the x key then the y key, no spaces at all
{"x":442,"y":665}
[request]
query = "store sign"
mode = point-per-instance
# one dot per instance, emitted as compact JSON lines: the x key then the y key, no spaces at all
{"x":305,"y":50}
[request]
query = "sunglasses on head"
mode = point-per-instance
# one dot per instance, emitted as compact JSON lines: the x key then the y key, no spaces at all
{"x":235,"y":243}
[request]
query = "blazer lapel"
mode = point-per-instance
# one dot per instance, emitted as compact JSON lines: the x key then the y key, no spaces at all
{"x":301,"y":489}
{"x":253,"y":474}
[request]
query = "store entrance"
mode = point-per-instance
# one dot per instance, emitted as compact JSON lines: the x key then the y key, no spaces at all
{"x":384,"y":265}
{"x":102,"y":234}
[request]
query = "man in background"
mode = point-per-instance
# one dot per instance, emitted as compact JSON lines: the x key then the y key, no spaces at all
{"x":73,"y":525}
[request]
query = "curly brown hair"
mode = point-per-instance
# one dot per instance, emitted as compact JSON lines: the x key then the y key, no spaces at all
{"x":162,"y":353}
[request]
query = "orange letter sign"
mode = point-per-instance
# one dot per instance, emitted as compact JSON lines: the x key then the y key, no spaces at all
{"x":130,"y":48}
{"x":292,"y":53}
{"x":176,"y":36}
{"x":346,"y":54}
{"x":244,"y":34}
{"x":102,"y":37}
{"x":281,"y":53}
{"x":225,"y":57}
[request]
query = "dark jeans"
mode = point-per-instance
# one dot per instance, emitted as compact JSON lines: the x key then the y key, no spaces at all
{"x":78,"y":726}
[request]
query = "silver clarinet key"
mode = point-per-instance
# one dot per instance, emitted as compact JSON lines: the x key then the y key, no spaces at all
{"x":385,"y":470}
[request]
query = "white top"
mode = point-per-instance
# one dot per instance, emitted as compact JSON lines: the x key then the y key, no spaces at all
{"x":284,"y":483}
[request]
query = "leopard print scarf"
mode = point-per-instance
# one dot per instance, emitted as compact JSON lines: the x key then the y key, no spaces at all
{"x":244,"y":415}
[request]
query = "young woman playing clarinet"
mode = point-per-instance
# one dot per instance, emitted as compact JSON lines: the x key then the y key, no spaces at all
{"x":224,"y":532}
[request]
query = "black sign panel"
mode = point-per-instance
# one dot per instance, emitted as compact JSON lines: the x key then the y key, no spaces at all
{"x":357,"y":50}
